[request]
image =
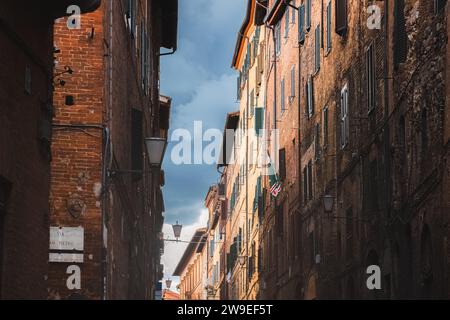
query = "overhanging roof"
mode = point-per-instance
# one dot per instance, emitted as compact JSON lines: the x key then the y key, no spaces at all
{"x":276,"y":12}
{"x":241,"y":35}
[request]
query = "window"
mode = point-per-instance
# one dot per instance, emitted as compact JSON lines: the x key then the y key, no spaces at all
{"x":400,"y":36}
{"x":439,"y":5}
{"x":341,"y":17}
{"x":131,"y":17}
{"x":282,"y":164}
{"x":349,"y":233}
{"x":329,"y":27}
{"x":325,"y":126}
{"x":286,"y":24}
{"x":308,"y":15}
{"x":144,"y":59}
{"x":259,"y":120}
{"x":310,"y":181}
{"x":293,"y":11}
{"x":301,"y":24}
{"x":136,"y":142}
{"x":283,"y":105}
{"x":309,"y":94}
{"x":292,"y":82}
{"x":317,"y":49}
{"x":371,"y":80}
{"x":278,"y":38}
{"x":317,"y":142}
{"x":345,"y":127}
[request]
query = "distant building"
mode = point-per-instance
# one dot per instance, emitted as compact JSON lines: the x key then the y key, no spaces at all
{"x":170,"y":295}
{"x":192,"y":268}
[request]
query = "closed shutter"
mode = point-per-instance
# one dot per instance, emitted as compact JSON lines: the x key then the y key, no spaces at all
{"x":282,"y":157}
{"x":329,"y":26}
{"x":305,"y":184}
{"x":310,"y":96}
{"x":283,"y":103}
{"x":310,"y":181}
{"x":317,"y":49}
{"x":301,"y":24}
{"x":136,"y":142}
{"x":341,"y":17}
{"x":259,"y":120}
{"x":439,"y":5}
{"x":308,"y":14}
{"x":400,"y":35}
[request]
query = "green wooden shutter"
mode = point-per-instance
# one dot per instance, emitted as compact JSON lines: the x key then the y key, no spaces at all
{"x":301,"y":24}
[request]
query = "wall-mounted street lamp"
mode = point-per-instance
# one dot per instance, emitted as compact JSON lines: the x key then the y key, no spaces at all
{"x":168,"y":283}
{"x":177,"y":230}
{"x":328,"y":202}
{"x":156,"y":148}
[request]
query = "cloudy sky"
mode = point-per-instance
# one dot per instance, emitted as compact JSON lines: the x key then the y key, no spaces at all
{"x":203,"y":87}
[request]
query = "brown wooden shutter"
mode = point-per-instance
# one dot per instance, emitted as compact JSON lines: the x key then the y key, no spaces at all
{"x":400,"y":35}
{"x":341,"y":17}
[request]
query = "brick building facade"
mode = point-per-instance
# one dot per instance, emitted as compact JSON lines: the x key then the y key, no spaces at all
{"x":26,"y":39}
{"x":101,"y":178}
{"x":358,"y":92}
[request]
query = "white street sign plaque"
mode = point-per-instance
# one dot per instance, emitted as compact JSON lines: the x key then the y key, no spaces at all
{"x":64,"y":239}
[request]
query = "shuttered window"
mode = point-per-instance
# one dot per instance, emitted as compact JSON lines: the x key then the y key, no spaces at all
{"x":341,"y":17}
{"x":370,"y":74}
{"x":310,"y":181}
{"x":136,"y":142}
{"x":310,"y":96}
{"x":286,"y":24}
{"x":305,"y":184}
{"x":301,"y":24}
{"x":283,"y":102}
{"x":317,"y":150}
{"x":329,"y":27}
{"x":282,"y":157}
{"x":308,"y":13}
{"x":345,"y":126}
{"x":325,"y":126}
{"x":400,"y":35}
{"x":278,"y":38}
{"x":259,"y":120}
{"x":317,"y":49}
{"x":439,"y":5}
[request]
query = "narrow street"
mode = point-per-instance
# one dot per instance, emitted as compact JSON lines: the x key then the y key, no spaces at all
{"x":238,"y":151}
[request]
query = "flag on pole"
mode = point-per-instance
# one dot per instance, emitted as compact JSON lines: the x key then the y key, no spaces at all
{"x":275,"y":184}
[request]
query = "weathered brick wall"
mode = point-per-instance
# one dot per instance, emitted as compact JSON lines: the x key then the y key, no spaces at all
{"x":78,"y":151}
{"x":25,"y":41}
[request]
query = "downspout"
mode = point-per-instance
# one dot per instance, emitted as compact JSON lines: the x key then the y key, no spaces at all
{"x":386,"y":135}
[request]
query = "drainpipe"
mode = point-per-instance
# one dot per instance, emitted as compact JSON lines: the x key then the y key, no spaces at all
{"x":386,"y":136}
